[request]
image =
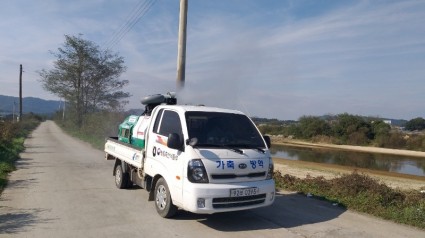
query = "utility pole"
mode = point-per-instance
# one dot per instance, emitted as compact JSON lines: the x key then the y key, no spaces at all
{"x":63,"y":111}
{"x":13,"y":118}
{"x":20,"y":93}
{"x":181,"y":55}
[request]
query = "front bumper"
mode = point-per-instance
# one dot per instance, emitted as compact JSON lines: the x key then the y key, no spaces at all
{"x":213,"y":198}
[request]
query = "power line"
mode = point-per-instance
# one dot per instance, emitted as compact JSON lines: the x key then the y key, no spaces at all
{"x":138,"y":13}
{"x":141,"y":11}
{"x":133,"y":15}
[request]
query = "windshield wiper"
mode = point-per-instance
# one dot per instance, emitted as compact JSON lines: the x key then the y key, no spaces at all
{"x":260,"y":149}
{"x":239,"y":151}
{"x":249,"y":147}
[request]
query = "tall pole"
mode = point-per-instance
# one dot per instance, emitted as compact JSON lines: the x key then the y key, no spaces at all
{"x":20,"y":92}
{"x":13,"y":118}
{"x":181,"y":55}
{"x":63,"y":111}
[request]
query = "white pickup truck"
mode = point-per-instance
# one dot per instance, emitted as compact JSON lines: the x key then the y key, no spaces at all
{"x":200,"y":159}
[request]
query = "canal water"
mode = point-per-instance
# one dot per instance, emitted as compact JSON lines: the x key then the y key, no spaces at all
{"x":391,"y":163}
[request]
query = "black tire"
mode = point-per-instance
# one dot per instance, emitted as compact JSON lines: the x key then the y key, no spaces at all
{"x":122,"y":180}
{"x":129,"y":182}
{"x":163,"y":203}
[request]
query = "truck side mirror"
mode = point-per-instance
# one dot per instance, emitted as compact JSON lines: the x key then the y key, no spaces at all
{"x":268,"y":141}
{"x":175,"y":142}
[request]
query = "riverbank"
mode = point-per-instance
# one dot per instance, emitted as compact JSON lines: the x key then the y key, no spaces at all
{"x":368,"y":149}
{"x":302,"y":169}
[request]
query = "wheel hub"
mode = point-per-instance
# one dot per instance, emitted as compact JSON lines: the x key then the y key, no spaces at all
{"x":161,"y":197}
{"x":118,"y":176}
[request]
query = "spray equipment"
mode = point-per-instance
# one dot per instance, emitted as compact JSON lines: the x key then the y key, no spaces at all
{"x":152,"y":101}
{"x":132,"y":130}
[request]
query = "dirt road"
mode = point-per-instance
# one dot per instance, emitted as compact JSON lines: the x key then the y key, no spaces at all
{"x":64,"y":188}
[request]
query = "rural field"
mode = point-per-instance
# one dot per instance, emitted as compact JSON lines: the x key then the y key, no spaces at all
{"x":64,"y":188}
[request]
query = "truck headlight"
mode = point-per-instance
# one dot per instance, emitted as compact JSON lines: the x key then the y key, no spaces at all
{"x":270,"y":171}
{"x":196,"y":172}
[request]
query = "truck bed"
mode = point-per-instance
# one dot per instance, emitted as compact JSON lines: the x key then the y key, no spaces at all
{"x":123,"y":151}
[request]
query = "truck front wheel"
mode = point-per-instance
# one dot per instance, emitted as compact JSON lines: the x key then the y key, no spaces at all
{"x":163,"y":203}
{"x":122,"y":180}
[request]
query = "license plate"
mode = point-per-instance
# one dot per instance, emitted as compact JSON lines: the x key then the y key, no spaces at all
{"x":242,"y":192}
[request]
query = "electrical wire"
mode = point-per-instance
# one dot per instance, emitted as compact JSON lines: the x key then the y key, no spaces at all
{"x":131,"y":18}
{"x":138,"y":13}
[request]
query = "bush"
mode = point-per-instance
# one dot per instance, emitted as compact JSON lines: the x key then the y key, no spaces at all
{"x":8,"y":131}
{"x":396,"y":141}
{"x":362,"y":193}
{"x":357,"y":138}
{"x":324,"y":139}
{"x":12,"y":143}
{"x":95,"y":127}
{"x":416,"y":142}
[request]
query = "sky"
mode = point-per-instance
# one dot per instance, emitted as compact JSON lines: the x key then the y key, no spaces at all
{"x":268,"y":58}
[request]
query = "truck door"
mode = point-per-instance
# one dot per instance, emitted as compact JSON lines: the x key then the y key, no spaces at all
{"x":167,"y":161}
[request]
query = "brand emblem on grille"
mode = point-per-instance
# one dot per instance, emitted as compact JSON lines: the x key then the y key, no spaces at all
{"x":242,"y":166}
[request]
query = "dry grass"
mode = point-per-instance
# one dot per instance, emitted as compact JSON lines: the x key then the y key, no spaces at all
{"x":362,"y":193}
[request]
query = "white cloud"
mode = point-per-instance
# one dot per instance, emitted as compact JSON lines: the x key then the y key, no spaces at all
{"x":361,"y":57}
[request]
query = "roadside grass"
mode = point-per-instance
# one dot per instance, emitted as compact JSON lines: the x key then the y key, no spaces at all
{"x":9,"y":153}
{"x":97,"y":142}
{"x":12,"y":136}
{"x":96,"y":127}
{"x":362,"y":193}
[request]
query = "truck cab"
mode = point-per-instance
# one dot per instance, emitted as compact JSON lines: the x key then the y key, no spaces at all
{"x":213,"y":160}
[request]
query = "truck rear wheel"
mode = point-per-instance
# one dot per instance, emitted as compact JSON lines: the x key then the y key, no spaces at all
{"x":122,"y":180}
{"x":163,"y":203}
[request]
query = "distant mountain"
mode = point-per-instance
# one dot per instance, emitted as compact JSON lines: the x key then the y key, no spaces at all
{"x":29,"y":104}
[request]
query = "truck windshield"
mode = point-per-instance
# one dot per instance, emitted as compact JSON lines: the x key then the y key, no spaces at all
{"x":216,"y":129}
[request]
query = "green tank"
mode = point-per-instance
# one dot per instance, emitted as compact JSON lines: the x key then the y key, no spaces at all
{"x":132,"y":130}
{"x":125,"y":129}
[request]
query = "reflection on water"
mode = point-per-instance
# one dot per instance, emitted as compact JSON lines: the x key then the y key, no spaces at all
{"x":392,"y":163}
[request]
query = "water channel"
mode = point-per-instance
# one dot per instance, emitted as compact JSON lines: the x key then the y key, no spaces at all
{"x":384,"y":162}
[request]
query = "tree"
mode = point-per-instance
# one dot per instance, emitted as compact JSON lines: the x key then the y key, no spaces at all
{"x":379,"y":127}
{"x":381,"y":132}
{"x":415,"y":124}
{"x":86,"y":77}
{"x":352,"y":129}
{"x":313,"y":126}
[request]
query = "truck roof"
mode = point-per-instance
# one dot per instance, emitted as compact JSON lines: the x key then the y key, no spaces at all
{"x":198,"y":108}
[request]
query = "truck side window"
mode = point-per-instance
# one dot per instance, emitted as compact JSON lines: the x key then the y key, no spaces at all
{"x":170,"y":123}
{"x":157,"y":120}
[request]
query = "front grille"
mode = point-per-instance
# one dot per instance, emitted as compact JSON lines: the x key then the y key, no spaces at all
{"x":233,"y":176}
{"x":228,"y":202}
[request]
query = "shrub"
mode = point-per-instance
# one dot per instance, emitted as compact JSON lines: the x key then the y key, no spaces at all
{"x":12,"y":143}
{"x":95,"y":126}
{"x":416,"y":142}
{"x":8,"y":131}
{"x":357,"y":138}
{"x":396,"y":141}
{"x":362,"y":193}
